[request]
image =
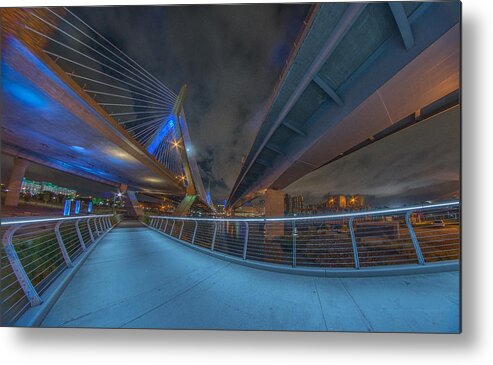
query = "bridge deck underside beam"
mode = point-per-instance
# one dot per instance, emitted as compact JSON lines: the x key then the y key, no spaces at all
{"x":48,"y":119}
{"x":361,"y":90}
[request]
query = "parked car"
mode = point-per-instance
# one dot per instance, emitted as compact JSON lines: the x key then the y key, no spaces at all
{"x":438,"y":223}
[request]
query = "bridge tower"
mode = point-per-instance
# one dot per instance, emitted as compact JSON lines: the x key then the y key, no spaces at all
{"x":182,"y":144}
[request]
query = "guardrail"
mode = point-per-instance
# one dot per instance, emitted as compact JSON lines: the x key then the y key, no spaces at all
{"x":36,"y":251}
{"x":418,"y":235}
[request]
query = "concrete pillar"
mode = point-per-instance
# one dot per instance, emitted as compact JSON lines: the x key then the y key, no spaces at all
{"x":131,"y":203}
{"x":274,"y":203}
{"x":274,"y":232}
{"x":15,"y":182}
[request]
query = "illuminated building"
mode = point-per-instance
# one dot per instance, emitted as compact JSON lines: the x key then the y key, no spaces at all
{"x":35,"y":187}
{"x":293,"y":204}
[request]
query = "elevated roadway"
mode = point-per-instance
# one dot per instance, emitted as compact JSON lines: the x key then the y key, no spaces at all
{"x":357,"y":73}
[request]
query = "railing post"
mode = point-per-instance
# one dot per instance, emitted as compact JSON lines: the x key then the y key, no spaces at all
{"x":166,"y":225}
{"x":63,"y":249}
{"x":152,"y":221}
{"x":108,"y":223}
{"x":96,"y":226}
{"x":245,"y":243}
{"x":194,"y":231}
{"x":79,"y":235}
{"x":353,"y":242}
{"x":181,"y":229}
{"x":160,"y":224}
{"x":21,"y":275}
{"x":101,"y":225}
{"x":294,"y":234}
{"x":89,"y":229}
{"x":417,"y":248}
{"x":214,"y":237}
{"x":172,"y":226}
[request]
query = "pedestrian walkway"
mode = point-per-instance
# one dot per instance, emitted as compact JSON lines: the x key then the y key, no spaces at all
{"x":138,"y":278}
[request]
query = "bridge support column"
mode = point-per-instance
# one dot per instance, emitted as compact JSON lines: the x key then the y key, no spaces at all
{"x":184,"y":207}
{"x":274,"y":232}
{"x":131,"y":203}
{"x":15,"y":182}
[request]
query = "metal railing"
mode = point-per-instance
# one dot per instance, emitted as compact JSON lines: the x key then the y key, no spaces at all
{"x":413,"y":235}
{"x":36,"y":251}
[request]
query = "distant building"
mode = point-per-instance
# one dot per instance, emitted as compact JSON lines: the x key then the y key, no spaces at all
{"x":342,"y":202}
{"x":293,"y":204}
{"x":220,"y":208}
{"x":35,"y":187}
{"x":31,"y":187}
{"x":356,"y":201}
{"x":336,"y":202}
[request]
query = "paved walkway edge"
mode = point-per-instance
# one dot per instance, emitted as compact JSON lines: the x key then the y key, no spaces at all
{"x":432,"y":267}
{"x":34,"y":316}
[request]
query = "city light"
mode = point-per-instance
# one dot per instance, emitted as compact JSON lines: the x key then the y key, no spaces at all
{"x":176,"y":144}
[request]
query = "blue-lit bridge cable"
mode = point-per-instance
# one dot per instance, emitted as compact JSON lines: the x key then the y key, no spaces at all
{"x":142,"y":86}
{"x":143,"y":82}
{"x":107,"y":75}
{"x":149,"y":80}
{"x":124,"y":54}
{"x":157,"y":118}
{"x":112,"y":86}
{"x":90,"y":91}
{"x":134,"y":106}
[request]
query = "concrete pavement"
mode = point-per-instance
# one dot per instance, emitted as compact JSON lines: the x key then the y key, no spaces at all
{"x":137,"y":278}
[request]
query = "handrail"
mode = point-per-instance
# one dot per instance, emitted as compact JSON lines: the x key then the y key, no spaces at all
{"x":316,"y":217}
{"x":23,"y":220}
{"x":38,"y":250}
{"x":417,"y":235}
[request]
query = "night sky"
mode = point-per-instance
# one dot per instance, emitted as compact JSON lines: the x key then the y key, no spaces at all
{"x":230,"y":57}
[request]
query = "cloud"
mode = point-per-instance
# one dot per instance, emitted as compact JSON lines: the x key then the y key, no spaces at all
{"x":230,"y":57}
{"x":417,"y":159}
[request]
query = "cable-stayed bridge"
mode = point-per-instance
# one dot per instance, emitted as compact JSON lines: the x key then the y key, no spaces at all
{"x":74,"y":101}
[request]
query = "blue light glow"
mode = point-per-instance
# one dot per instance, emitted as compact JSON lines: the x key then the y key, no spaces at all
{"x":89,"y":208}
{"x":78,"y":148}
{"x":27,"y":96}
{"x":164,"y":130}
{"x":77,"y":206}
{"x":66,"y":208}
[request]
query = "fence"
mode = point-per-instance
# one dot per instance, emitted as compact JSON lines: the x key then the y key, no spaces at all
{"x":36,"y":251}
{"x":413,"y":235}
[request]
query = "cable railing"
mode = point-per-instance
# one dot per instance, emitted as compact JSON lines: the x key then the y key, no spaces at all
{"x":36,"y":251}
{"x":418,"y":236}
